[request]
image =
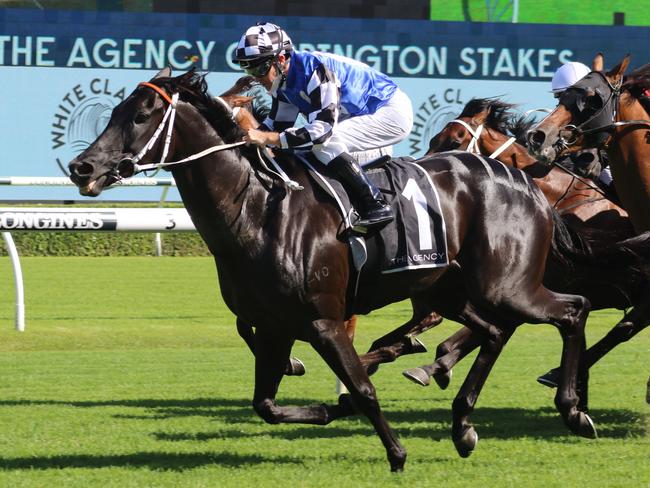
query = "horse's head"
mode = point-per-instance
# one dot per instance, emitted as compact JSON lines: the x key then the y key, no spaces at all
{"x":458,"y":133}
{"x":583,"y":117}
{"x":141,"y":127}
{"x":129,"y":129}
{"x":467,"y":131}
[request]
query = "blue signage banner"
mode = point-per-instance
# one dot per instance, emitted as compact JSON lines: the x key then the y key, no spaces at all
{"x":63,"y":71}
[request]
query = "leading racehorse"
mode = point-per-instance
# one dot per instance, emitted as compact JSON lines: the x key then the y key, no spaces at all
{"x":284,"y":267}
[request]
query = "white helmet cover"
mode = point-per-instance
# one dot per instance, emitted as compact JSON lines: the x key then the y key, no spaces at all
{"x":262,"y":41}
{"x":568,"y":74}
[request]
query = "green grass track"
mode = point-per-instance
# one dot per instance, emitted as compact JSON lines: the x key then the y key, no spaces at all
{"x":131,"y":374}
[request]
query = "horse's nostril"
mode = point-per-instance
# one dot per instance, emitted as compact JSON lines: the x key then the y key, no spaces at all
{"x":83,"y":169}
{"x":536,"y":138}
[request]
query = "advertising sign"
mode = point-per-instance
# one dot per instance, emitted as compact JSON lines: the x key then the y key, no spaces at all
{"x":63,"y":72}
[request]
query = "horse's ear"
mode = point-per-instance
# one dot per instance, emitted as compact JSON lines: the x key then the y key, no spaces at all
{"x":616,"y":73}
{"x":166,"y":72}
{"x":598,"y":63}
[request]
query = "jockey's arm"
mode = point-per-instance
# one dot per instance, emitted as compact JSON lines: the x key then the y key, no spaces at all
{"x":282,"y":115}
{"x":324,"y":112}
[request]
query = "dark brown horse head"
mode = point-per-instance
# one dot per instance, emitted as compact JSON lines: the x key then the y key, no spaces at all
{"x":140,"y":129}
{"x":127,"y":133}
{"x":583,"y":117}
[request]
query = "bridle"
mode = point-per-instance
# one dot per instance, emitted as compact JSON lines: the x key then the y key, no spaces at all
{"x":476,"y":134}
{"x":602,"y":123}
{"x":128,"y":167}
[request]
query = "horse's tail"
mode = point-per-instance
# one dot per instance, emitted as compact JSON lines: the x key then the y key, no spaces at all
{"x":596,"y":256}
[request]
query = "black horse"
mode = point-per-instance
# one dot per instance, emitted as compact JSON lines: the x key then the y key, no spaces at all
{"x":283,"y":266}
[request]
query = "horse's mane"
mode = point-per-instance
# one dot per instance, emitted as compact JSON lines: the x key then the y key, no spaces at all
{"x":519,"y":127}
{"x":500,"y":117}
{"x":241,"y":85}
{"x":193,"y":89}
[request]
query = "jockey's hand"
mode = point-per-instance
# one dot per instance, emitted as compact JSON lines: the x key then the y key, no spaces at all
{"x":262,"y":138}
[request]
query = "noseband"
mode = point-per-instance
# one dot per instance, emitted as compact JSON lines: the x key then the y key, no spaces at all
{"x":128,"y":167}
{"x":472,"y":147}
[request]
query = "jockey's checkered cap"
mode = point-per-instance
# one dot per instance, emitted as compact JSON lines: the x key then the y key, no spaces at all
{"x":262,"y":41}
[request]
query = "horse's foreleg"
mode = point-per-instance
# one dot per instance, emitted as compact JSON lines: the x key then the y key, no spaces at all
{"x":294,"y":366}
{"x":330,"y":340}
{"x":272,"y":353}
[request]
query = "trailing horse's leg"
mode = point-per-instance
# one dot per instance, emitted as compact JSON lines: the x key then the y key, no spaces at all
{"x":294,"y":366}
{"x":633,"y":323}
{"x":332,"y":343}
{"x":272,"y":353}
{"x":448,"y":354}
{"x":400,"y":342}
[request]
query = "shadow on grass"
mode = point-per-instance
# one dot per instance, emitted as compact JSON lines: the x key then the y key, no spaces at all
{"x":155,"y":461}
{"x":430,"y":423}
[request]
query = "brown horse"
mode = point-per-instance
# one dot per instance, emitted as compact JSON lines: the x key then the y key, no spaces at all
{"x":283,"y":266}
{"x":594,"y":211}
{"x":603,"y":110}
{"x":492,"y":121}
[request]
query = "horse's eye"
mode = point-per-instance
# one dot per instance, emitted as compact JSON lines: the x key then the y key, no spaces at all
{"x":593,"y":102}
{"x":141,"y":117}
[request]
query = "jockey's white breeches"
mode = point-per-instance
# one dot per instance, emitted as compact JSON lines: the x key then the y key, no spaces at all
{"x":371,"y":135}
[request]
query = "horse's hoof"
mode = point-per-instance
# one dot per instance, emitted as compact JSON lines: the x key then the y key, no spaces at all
{"x":295,"y":367}
{"x":466,"y":443}
{"x":550,"y":379}
{"x":584,"y":426}
{"x":397,"y":458}
{"x":443,"y":378}
{"x":417,"y":346}
{"x":417,"y":375}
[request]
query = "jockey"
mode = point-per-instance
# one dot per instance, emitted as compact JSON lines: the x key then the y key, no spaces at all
{"x":567,"y":75}
{"x":590,"y":162}
{"x":348,"y":106}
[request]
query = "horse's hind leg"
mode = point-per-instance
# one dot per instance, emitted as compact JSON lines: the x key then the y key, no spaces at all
{"x":633,"y":323}
{"x":332,"y":343}
{"x":272,"y":353}
{"x":448,"y":354}
{"x":401,"y":341}
{"x":569,"y":314}
{"x":462,"y":431}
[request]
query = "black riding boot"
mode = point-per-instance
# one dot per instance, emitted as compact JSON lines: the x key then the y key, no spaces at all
{"x":372,"y":208}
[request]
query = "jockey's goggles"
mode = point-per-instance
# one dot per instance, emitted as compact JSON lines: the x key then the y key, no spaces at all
{"x":259,"y":69}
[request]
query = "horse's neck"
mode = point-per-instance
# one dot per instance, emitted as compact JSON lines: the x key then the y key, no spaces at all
{"x":224,"y":199}
{"x":628,"y":155}
{"x":514,"y":155}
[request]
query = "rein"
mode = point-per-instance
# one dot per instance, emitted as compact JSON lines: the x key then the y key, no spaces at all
{"x":473,"y":145}
{"x":128,"y":167}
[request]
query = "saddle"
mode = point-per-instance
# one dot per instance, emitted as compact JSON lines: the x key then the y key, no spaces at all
{"x":415,"y":239}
